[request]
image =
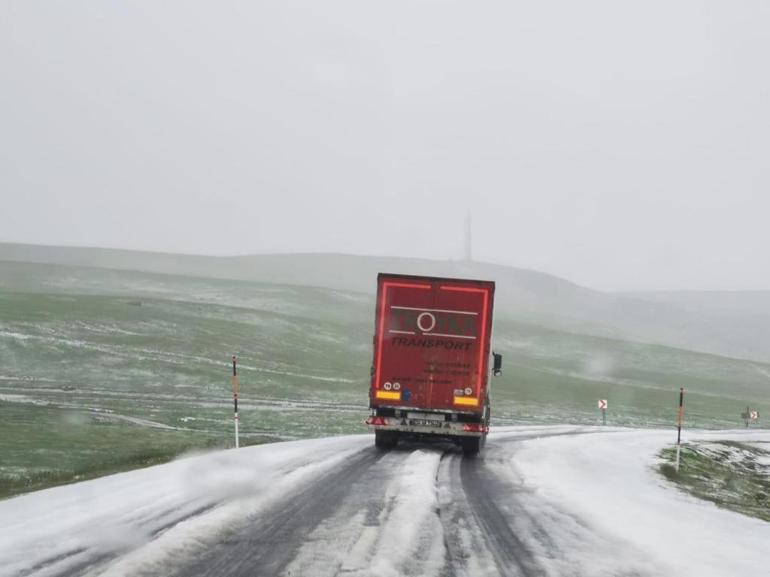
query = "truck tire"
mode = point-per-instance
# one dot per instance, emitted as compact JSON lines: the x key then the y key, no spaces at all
{"x":470,"y":446}
{"x":385,"y":440}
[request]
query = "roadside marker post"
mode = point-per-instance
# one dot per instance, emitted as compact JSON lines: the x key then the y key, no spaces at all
{"x":679,"y":420}
{"x":603,"y":409}
{"x":235,"y":384}
{"x":749,"y":416}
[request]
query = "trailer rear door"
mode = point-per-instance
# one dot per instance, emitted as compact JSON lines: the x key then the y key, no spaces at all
{"x":432,"y":342}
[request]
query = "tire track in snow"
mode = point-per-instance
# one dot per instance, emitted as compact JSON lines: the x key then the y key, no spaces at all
{"x":557,"y":542}
{"x":134,"y":531}
{"x":267,"y":544}
{"x":387,"y":527}
{"x":420,"y":510}
{"x":385,"y":515}
{"x":511,"y":553}
{"x":81,"y":559}
{"x":467,"y":554}
{"x":488,"y":530}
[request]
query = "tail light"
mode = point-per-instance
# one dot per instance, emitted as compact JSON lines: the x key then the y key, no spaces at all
{"x":475,"y":428}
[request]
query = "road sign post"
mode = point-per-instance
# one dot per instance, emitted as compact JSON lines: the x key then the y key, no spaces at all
{"x":236,"y":385}
{"x":679,"y":420}
{"x":749,"y":416}
{"x":603,"y":408}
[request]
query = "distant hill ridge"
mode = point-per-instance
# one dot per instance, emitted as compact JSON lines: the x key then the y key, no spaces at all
{"x":720,"y":323}
{"x":281,"y":268}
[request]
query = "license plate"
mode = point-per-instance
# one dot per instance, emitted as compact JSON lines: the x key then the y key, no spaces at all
{"x":425,"y":423}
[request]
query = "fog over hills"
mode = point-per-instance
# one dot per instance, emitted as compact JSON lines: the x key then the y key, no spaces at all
{"x":733,"y":324}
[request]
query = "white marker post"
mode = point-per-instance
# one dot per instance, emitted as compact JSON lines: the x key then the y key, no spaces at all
{"x":603,"y":409}
{"x":234,"y":382}
{"x":680,"y":418}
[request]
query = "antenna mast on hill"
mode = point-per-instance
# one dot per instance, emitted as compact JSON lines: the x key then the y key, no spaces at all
{"x":468,"y":253}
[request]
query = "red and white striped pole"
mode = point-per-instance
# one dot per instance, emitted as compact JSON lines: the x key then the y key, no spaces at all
{"x":234,"y":382}
{"x":680,"y":418}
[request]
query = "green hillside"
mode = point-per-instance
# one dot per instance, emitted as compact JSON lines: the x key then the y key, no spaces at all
{"x":103,"y":369}
{"x":728,"y":324}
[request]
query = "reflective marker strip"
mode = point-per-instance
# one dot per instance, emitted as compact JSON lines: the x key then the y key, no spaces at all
{"x":390,"y":395}
{"x":472,"y":401}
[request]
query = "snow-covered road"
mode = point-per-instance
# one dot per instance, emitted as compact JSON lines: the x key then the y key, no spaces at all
{"x":551,"y":501}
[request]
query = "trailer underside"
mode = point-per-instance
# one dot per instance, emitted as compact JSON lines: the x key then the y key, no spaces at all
{"x":390,"y":424}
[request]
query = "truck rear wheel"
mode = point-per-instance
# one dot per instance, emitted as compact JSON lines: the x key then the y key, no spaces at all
{"x":385,"y":440}
{"x":470,"y":446}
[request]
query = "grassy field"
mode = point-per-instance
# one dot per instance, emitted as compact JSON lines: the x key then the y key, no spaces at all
{"x":103,"y":370}
{"x":732,"y":475}
{"x":561,"y":375}
{"x":44,"y":446}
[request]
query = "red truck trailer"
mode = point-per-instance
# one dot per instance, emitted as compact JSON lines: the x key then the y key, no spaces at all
{"x":431,"y":360}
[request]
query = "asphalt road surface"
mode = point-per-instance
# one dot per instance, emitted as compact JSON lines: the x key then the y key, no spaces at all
{"x":417,"y":510}
{"x":588,"y":504}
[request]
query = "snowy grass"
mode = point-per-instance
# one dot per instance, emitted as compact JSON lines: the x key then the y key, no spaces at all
{"x":733,"y":475}
{"x":44,"y":446}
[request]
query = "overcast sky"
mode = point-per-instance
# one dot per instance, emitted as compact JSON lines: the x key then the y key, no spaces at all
{"x":622,"y":145}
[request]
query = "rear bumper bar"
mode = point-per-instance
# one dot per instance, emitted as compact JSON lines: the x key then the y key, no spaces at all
{"x":447,"y":430}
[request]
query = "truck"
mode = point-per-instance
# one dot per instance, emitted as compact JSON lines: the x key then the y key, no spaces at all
{"x":430,"y":369}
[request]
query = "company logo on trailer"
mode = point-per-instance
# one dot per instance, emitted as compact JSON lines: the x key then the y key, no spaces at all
{"x":432,"y":322}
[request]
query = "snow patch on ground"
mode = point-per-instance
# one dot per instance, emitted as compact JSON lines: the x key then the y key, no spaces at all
{"x":409,"y":521}
{"x":24,"y":399}
{"x":133,"y":420}
{"x":584,"y":501}
{"x":395,"y":532}
{"x":610,"y":481}
{"x":55,"y":529}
